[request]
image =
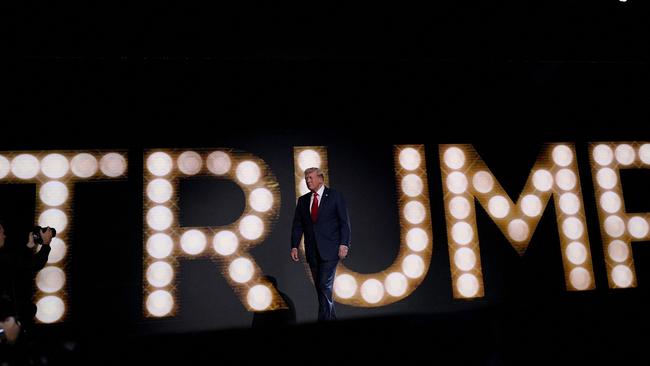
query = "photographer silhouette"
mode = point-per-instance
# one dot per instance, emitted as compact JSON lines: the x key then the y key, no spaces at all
{"x":18,"y":267}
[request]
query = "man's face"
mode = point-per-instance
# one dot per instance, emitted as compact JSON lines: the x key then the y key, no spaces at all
{"x":2,"y":236}
{"x":313,"y":181}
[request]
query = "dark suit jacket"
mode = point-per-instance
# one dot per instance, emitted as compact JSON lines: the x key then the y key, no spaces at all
{"x":332,"y":228}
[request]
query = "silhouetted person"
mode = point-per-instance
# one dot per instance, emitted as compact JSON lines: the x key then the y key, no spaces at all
{"x":275,"y":318}
{"x":18,"y":267}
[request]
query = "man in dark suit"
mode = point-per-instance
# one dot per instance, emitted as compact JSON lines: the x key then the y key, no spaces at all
{"x":322,"y":217}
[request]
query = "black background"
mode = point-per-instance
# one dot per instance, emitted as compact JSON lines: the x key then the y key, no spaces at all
{"x":505,"y":76}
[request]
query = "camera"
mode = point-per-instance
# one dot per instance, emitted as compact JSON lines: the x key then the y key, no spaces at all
{"x":37,"y":231}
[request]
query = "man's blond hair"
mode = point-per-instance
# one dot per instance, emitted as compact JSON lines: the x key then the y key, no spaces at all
{"x":314,"y":169}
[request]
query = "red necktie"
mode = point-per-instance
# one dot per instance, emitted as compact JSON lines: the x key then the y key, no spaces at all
{"x":314,"y":208}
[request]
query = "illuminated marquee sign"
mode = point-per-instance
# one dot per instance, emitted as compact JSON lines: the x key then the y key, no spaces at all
{"x":54,"y":174}
{"x":466,"y":177}
{"x":230,"y":243}
{"x":466,"y":181}
{"x":408,"y":270}
{"x":617,"y":227}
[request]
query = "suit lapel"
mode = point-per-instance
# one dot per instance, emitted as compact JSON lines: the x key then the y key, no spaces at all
{"x":308,"y":206}
{"x":323,"y":202}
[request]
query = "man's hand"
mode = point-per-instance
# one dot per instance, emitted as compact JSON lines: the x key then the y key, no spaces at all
{"x":30,"y":241}
{"x":343,"y":251}
{"x":294,"y":254}
{"x":11,"y":328}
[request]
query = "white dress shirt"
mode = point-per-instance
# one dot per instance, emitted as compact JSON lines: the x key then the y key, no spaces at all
{"x":320,"y":196}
